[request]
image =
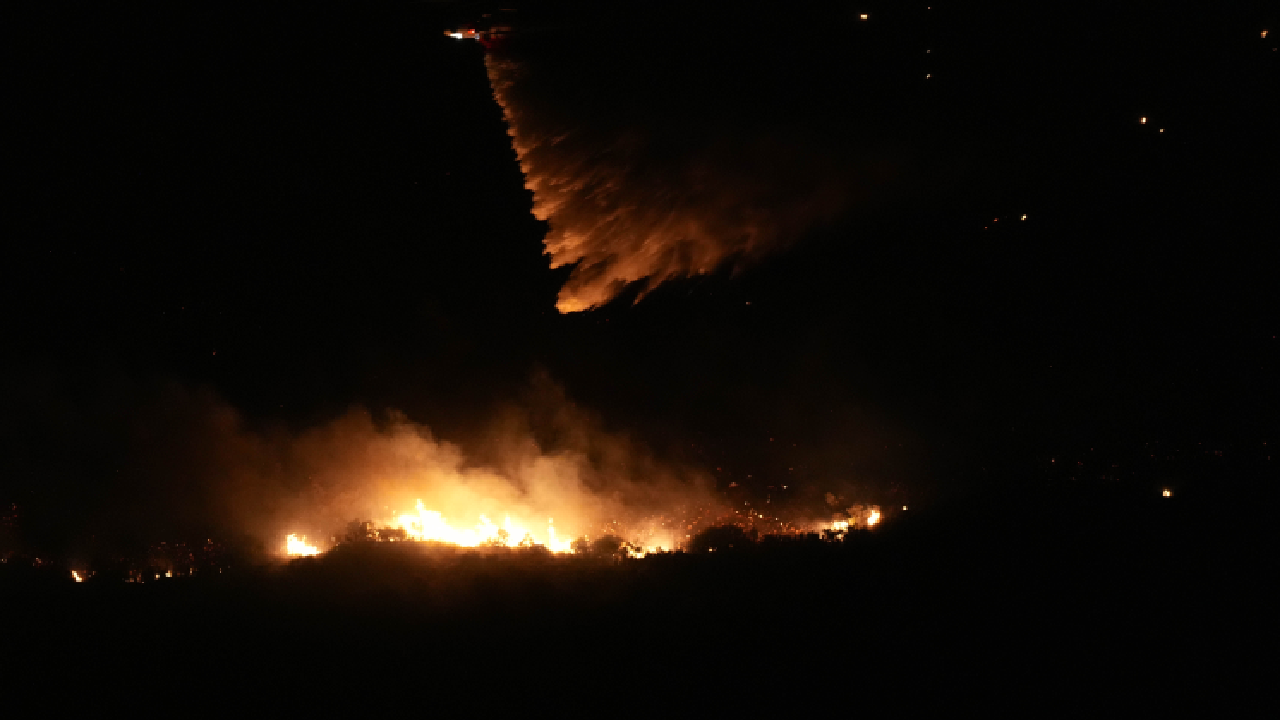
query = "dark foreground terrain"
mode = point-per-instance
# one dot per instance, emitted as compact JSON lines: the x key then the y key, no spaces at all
{"x":1062,"y":597}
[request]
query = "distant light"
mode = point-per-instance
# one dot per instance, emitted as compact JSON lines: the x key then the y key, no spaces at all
{"x":865,"y":16}
{"x":1161,"y":129}
{"x":1024,"y":216}
{"x":456,"y":35}
{"x":928,"y":75}
{"x":1264,"y":33}
{"x":1142,"y":121}
{"x":1167,"y":492}
{"x":904,"y":507}
{"x":77,"y":577}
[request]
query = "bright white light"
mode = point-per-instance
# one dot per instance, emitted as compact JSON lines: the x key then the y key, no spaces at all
{"x":298,"y":546}
{"x":865,"y":16}
{"x":1142,"y":121}
{"x":1167,"y":492}
{"x":456,"y":35}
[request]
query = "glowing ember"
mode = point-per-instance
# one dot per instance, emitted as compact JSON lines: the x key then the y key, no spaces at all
{"x":873,"y":518}
{"x":296,"y":546}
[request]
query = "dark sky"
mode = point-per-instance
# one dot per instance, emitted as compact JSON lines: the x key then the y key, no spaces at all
{"x":304,"y":208}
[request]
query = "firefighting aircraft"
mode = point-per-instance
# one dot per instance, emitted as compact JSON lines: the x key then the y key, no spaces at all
{"x":488,"y":31}
{"x":463,"y":34}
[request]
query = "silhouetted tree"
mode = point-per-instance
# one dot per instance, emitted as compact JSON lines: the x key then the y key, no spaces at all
{"x":609,"y":546}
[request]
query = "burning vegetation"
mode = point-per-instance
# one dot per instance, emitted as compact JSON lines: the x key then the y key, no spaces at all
{"x":709,"y":529}
{"x":210,"y":493}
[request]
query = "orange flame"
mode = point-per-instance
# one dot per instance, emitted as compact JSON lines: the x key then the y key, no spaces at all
{"x":864,"y":516}
{"x":432,"y":525}
{"x":299,"y":547}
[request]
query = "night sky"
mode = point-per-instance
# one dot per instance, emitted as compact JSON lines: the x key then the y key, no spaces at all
{"x":299,"y":209}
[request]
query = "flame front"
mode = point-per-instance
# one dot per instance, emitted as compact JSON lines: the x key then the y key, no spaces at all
{"x":432,"y":525}
{"x":296,"y":546}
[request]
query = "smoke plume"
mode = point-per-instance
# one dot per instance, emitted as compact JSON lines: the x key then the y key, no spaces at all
{"x":194,"y":462}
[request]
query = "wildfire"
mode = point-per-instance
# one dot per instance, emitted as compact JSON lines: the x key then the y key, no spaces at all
{"x":431,"y":525}
{"x":296,"y":546}
{"x":859,"y":516}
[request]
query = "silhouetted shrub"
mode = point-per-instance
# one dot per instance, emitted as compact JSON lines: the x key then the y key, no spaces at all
{"x":723,"y":538}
